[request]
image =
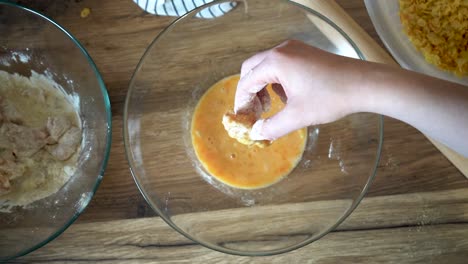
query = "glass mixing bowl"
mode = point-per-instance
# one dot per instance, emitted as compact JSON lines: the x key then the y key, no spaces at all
{"x":385,"y":16}
{"x":32,"y":42}
{"x":188,"y":57}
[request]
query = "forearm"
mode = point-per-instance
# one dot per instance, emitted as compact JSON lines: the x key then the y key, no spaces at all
{"x":437,"y":108}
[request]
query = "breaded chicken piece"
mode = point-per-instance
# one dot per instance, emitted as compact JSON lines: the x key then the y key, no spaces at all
{"x":239,"y":126}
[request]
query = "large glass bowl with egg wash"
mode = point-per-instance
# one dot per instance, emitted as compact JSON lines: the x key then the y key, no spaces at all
{"x":55,"y":130}
{"x":214,"y":190}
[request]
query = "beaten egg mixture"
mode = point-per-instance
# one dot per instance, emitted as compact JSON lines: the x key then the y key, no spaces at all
{"x":231,"y":162}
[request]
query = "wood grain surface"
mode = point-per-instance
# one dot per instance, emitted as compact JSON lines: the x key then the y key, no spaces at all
{"x":416,"y":210}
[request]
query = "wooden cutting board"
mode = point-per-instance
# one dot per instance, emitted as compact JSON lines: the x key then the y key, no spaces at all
{"x":373,"y":52}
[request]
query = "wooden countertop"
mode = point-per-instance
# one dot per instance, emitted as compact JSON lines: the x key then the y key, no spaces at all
{"x":415,"y":211}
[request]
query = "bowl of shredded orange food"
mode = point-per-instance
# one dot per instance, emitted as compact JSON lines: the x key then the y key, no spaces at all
{"x":429,"y":36}
{"x":230,"y":194}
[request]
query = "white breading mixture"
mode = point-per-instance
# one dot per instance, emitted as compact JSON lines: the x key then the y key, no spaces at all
{"x":40,"y":135}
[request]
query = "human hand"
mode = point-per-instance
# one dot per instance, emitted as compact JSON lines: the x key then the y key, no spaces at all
{"x":318,"y":87}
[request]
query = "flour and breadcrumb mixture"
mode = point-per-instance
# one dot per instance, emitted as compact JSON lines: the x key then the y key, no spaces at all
{"x":40,"y":135}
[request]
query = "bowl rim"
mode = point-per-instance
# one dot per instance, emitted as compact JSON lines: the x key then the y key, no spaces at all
{"x":167,"y":219}
{"x":107,"y":148}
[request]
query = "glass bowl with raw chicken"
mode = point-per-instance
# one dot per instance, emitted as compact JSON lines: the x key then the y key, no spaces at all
{"x":54,"y":130}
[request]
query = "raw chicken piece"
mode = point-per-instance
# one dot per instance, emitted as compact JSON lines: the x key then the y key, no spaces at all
{"x":10,"y":112}
{"x":5,"y":186}
{"x":9,"y":166}
{"x":1,"y":110}
{"x":57,"y":126}
{"x":38,"y":95}
{"x":239,"y":126}
{"x":31,"y":110}
{"x":67,"y":144}
{"x":25,"y":141}
{"x":4,"y":142}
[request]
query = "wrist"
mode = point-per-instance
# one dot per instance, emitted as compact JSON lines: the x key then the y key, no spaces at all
{"x":362,"y":87}
{"x":375,"y":91}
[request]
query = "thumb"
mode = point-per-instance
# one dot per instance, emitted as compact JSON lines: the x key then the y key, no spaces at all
{"x":279,"y":125}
